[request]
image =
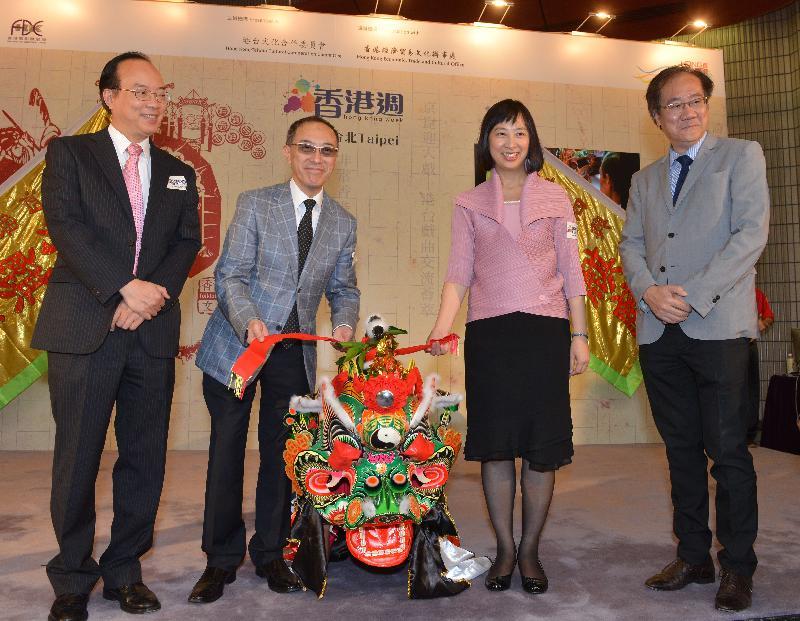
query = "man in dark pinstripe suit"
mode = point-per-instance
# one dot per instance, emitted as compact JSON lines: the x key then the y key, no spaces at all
{"x":123,"y":216}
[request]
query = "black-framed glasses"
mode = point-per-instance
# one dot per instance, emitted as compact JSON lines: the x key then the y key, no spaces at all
{"x":144,"y":94}
{"x":306,"y":148}
{"x":676,"y":107}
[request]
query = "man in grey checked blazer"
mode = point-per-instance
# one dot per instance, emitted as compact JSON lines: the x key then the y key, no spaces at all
{"x":258,"y":289}
{"x":697,"y":221}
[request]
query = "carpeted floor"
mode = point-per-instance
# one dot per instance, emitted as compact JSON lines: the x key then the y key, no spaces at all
{"x":609,"y":529}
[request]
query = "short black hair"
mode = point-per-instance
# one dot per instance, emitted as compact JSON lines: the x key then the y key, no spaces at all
{"x":653,"y":94}
{"x":620,"y":167}
{"x":504,"y":111}
{"x":109,"y":78}
{"x":308,"y":119}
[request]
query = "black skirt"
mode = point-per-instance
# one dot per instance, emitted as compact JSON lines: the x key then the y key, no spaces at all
{"x":517,"y":381}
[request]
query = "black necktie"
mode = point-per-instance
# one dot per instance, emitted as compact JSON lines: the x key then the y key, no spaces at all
{"x":685,"y":162}
{"x":305,"y":235}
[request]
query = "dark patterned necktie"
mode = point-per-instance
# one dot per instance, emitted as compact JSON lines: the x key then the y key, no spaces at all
{"x":685,"y":161}
{"x":305,"y":235}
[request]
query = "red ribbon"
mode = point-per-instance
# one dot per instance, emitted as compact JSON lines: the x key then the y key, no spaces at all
{"x":253,"y":358}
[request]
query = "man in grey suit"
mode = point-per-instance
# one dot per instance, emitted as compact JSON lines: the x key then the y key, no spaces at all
{"x":123,"y":215}
{"x":697,"y":221}
{"x":287,"y":245}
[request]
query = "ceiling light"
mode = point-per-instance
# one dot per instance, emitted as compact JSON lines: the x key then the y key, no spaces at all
{"x":599,"y":15}
{"x":389,"y":15}
{"x":494,"y":3}
{"x":277,"y":7}
{"x":698,"y":23}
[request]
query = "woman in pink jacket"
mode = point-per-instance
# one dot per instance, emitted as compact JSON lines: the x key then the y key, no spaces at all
{"x":514,"y":247}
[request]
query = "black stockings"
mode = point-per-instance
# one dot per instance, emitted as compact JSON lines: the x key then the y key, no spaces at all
{"x":499,"y":488}
{"x":537,"y":491}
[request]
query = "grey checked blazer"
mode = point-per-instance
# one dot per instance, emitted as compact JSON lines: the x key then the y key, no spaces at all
{"x":708,"y":242}
{"x":256,"y":276}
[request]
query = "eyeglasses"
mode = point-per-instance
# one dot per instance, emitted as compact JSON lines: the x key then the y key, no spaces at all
{"x":676,"y":107}
{"x":306,"y":148}
{"x":143,"y":94}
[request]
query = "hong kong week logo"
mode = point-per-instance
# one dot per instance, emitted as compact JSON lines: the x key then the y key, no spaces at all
{"x":344,"y":103}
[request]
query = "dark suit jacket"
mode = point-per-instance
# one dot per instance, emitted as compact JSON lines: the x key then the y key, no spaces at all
{"x":89,"y":218}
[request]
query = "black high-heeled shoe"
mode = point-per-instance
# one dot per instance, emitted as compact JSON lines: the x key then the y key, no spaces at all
{"x":535,"y":586}
{"x":498,"y":583}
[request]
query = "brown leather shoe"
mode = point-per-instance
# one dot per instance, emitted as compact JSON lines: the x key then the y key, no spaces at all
{"x":134,"y":598}
{"x":69,"y":607}
{"x":279,"y":577}
{"x":679,"y":573}
{"x":735,"y":592}
{"x":210,"y":586}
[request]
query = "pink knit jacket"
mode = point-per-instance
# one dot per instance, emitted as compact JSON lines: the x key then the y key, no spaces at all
{"x":535,"y":273}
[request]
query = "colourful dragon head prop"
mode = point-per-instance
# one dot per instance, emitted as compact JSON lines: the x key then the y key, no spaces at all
{"x":372,"y":452}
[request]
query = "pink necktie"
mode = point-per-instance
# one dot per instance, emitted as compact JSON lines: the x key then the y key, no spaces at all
{"x":134,"y":184}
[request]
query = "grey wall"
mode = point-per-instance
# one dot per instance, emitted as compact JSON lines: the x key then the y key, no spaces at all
{"x":762,"y":76}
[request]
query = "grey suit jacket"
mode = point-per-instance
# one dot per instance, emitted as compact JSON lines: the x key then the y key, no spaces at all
{"x":708,"y":242}
{"x":256,"y":276}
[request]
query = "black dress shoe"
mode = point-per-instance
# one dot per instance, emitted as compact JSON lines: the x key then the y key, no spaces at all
{"x":279,"y":577}
{"x":679,"y":573}
{"x":735,"y":592}
{"x":134,"y":598}
{"x":211,"y":585}
{"x":535,"y":585}
{"x":69,"y":607}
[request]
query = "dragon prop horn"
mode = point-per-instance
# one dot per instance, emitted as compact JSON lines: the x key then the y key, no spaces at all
{"x":329,"y":396}
{"x":428,"y":393}
{"x":444,"y":401}
{"x":305,"y":404}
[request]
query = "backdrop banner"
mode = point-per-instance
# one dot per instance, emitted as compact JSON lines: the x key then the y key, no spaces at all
{"x":406,"y":98}
{"x":364,"y":42}
{"x":27,"y":257}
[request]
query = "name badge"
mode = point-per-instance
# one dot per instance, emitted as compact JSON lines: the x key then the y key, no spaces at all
{"x":572,"y":230}
{"x":177,"y":182}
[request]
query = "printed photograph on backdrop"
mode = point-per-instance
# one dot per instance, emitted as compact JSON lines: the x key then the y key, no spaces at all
{"x":608,"y":171}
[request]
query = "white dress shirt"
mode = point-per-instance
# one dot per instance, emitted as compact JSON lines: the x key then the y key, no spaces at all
{"x":298,"y":196}
{"x":675,"y":166}
{"x":121,"y":144}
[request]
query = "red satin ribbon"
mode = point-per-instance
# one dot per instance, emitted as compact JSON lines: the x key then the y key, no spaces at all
{"x":446,"y":341}
{"x":253,"y":358}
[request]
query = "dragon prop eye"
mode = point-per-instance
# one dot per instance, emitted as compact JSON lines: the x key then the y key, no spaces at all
{"x":372,"y":481}
{"x":326,"y":483}
{"x":429,"y":477}
{"x":385,"y":438}
{"x":399,"y":478}
{"x":385,"y":398}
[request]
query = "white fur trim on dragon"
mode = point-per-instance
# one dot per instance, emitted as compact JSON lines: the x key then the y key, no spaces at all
{"x":428,"y":393}
{"x":305,"y":404}
{"x":328,"y":394}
